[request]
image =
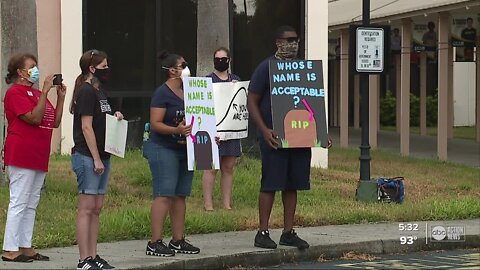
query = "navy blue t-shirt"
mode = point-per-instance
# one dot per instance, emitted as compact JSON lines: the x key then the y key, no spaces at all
{"x":260,"y":85}
{"x":216,"y":79}
{"x":164,"y":97}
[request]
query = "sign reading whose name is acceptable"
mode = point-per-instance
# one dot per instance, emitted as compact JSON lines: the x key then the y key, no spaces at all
{"x":202,"y":150}
{"x":370,"y":49}
{"x":298,"y":103}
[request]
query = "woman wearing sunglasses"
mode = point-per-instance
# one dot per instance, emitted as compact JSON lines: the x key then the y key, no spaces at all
{"x":167,"y":157}
{"x":229,"y":150}
{"x":90,"y":162}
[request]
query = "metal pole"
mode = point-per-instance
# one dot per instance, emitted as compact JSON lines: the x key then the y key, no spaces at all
{"x":364,"y":85}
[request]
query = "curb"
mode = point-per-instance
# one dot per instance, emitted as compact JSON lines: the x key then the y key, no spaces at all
{"x":333,"y":251}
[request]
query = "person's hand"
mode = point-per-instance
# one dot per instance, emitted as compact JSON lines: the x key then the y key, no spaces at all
{"x":271,"y":138}
{"x":118,"y":115}
{"x":98,"y":166}
{"x":48,"y":84}
{"x":61,"y":91}
{"x":183,"y":129}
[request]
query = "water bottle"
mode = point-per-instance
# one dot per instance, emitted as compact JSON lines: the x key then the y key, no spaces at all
{"x":146,"y":132}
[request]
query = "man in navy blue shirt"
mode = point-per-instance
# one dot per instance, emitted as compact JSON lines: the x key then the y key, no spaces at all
{"x":286,"y":170}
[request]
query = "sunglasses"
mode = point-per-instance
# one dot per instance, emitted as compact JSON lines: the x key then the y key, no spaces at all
{"x":291,"y":39}
{"x":222,"y":59}
{"x":182,"y":65}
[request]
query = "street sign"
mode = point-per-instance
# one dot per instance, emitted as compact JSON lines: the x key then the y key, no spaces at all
{"x":370,"y":56}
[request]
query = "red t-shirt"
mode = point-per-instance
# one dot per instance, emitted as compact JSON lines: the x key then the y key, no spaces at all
{"x":27,"y":146}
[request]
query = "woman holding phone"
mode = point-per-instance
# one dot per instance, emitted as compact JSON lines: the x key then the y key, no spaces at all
{"x":31,"y":119}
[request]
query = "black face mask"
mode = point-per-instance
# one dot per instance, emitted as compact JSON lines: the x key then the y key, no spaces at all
{"x":103,"y":75}
{"x":220,"y":65}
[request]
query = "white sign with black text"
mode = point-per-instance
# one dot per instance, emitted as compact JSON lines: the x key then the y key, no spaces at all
{"x":370,"y":50}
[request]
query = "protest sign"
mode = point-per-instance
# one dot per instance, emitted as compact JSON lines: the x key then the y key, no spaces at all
{"x":231,"y":110}
{"x":298,"y":103}
{"x":115,"y":136}
{"x":202,"y":150}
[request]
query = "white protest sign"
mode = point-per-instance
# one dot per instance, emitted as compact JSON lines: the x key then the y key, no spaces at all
{"x":116,"y":136}
{"x":202,"y":150}
{"x":370,"y":49}
{"x":231,"y":110}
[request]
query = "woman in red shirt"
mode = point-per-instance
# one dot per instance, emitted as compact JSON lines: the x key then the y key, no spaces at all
{"x":31,"y":119}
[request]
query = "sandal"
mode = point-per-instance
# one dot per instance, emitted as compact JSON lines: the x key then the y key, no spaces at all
{"x":39,"y":257}
{"x":19,"y":258}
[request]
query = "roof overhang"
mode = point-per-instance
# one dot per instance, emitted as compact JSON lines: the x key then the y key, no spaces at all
{"x":342,"y":13}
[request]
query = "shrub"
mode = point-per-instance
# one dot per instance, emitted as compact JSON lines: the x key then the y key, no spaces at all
{"x":388,"y":112}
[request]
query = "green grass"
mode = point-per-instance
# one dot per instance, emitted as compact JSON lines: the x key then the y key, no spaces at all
{"x":458,"y":132}
{"x":434,"y":191}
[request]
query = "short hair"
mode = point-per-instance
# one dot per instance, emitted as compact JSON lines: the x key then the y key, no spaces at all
{"x":17,"y":62}
{"x":431,"y":24}
{"x":282,"y":29}
{"x":469,"y":19}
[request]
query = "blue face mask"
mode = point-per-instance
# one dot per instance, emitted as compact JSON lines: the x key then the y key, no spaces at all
{"x":34,"y":74}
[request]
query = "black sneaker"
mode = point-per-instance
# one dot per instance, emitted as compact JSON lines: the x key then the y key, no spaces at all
{"x":291,"y":239}
{"x":88,"y":264}
{"x":102,"y":263}
{"x":263,"y":240}
{"x":159,"y":248}
{"x":182,"y":246}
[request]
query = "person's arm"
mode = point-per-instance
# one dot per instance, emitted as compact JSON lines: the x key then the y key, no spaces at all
{"x":253,"y":104}
{"x":157,"y":116}
{"x":89,"y":134}
{"x":35,"y":116}
{"x":61,"y":92}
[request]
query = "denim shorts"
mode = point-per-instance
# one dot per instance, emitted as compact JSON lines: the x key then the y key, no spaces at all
{"x":170,"y":174}
{"x":89,"y":182}
{"x":285,"y":169}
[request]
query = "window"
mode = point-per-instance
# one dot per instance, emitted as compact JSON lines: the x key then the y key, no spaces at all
{"x":133,"y":33}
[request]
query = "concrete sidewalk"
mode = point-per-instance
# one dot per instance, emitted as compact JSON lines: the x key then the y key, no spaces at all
{"x":230,"y":249}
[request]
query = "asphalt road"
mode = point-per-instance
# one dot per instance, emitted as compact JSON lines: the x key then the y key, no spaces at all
{"x":456,"y":259}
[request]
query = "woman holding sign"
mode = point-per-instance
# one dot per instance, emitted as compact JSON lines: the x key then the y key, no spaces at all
{"x":90,"y":162}
{"x":167,"y":157}
{"x":229,"y":150}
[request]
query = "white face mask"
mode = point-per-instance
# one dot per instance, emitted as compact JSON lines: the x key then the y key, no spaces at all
{"x":185,"y":72}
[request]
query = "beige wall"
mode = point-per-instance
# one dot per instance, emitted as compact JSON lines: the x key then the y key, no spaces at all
{"x":49,"y":50}
{"x":317,"y":49}
{"x":71,"y":43}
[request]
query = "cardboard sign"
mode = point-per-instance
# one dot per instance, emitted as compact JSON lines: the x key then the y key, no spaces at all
{"x":202,"y":150}
{"x":231,"y":110}
{"x":115,"y":136}
{"x":298,"y":103}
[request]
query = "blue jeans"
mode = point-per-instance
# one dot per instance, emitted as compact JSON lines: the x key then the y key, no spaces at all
{"x":170,"y":174}
{"x":89,"y":182}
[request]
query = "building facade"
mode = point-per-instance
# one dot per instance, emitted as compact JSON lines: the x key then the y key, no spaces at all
{"x":134,"y":32}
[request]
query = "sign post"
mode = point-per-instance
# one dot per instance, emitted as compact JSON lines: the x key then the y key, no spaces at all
{"x":370,"y":53}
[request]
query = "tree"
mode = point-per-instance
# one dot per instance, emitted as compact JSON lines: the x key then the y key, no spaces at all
{"x":18,"y":33}
{"x":212,"y":32}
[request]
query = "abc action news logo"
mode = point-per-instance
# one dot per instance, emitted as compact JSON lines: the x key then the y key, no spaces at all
{"x":441,"y":233}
